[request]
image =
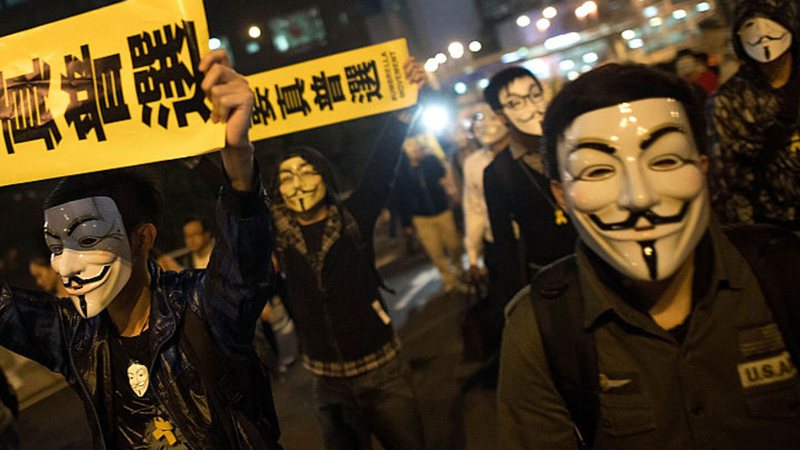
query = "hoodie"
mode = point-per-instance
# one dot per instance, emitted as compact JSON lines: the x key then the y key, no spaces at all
{"x":755,"y":164}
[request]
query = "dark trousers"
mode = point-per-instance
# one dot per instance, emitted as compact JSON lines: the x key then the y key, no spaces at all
{"x":379,"y":402}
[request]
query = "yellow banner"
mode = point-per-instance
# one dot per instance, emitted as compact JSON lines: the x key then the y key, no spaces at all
{"x":332,"y":89}
{"x":114,"y":87}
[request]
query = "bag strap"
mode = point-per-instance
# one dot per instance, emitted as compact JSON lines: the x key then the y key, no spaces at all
{"x":773,"y":255}
{"x":569,"y":348}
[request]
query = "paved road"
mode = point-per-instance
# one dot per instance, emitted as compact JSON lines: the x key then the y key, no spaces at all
{"x":429,"y":329}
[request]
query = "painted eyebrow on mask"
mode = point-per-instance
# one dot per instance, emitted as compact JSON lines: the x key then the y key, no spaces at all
{"x":79,"y":222}
{"x":599,"y":146}
{"x":658,"y":134}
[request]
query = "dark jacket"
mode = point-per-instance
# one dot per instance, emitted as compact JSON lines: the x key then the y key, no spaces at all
{"x":228,"y":297}
{"x":331,"y":295}
{"x":755,"y":170}
{"x":421,"y":188}
{"x":512,"y":196}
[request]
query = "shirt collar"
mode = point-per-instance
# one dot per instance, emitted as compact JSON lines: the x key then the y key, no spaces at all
{"x":517,"y":149}
{"x":602,"y":290}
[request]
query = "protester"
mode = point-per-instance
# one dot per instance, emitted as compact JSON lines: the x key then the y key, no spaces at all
{"x":324,"y":248}
{"x":158,"y":358}
{"x":756,"y":165}
{"x":199,"y":240}
{"x":46,"y":278}
{"x":693,"y":68}
{"x":421,"y":183}
{"x":517,"y":190}
{"x":658,"y":333}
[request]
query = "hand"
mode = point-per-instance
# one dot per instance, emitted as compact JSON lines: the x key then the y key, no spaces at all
{"x":476,"y":275}
{"x":232,"y":102}
{"x":415,"y":75}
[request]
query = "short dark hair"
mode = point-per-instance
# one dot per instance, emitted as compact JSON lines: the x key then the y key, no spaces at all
{"x":611,"y":85}
{"x":203,"y":222}
{"x":501,"y":80}
{"x":135,"y":191}
{"x":40,"y":260}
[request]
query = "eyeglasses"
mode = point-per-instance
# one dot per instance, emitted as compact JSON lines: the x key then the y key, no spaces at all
{"x":306,"y":175}
{"x":517,"y":102}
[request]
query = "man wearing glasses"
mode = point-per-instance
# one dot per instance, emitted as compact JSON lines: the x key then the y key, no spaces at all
{"x":516,"y":188}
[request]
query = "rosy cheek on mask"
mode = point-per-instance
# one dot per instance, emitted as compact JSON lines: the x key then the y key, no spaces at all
{"x":589,"y":197}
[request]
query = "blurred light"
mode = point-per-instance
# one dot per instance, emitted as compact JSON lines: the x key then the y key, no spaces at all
{"x":650,"y":11}
{"x":586,"y":68}
{"x":585,"y":9}
{"x":252,"y":48}
{"x":590,"y":58}
{"x":591,"y":7}
{"x":656,"y":22}
{"x":572,"y":76}
{"x":431,"y":65}
{"x":679,"y":14}
{"x":441,"y":58}
{"x":566,"y":65}
{"x":523,"y":21}
{"x":636,"y":43}
{"x":628,"y":35}
{"x":509,"y":58}
{"x":562,"y":40}
{"x":460,"y":88}
{"x":703,"y":7}
{"x":214,"y":43}
{"x":281,"y":43}
{"x":475,"y":46}
{"x":549,"y":12}
{"x":539,"y":67}
{"x":456,"y":50}
{"x":435,"y":118}
{"x":542,"y":24}
{"x":483,"y":82}
{"x":581,"y":12}
{"x":254,"y":32}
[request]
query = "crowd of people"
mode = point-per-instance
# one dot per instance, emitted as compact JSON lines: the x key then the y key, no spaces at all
{"x":639,"y":235}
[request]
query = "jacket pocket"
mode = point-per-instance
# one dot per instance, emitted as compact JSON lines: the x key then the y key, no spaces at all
{"x":626,"y":414}
{"x":779,"y":402}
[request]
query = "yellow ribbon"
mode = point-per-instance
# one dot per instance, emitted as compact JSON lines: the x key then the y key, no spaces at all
{"x":164,"y":430}
{"x":561,"y":218}
{"x":795,"y":144}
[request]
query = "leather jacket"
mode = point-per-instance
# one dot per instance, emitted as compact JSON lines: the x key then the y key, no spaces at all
{"x":228,"y":297}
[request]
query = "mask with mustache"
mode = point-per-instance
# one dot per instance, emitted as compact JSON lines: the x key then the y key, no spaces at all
{"x":300,"y":185}
{"x":90,"y":251}
{"x":764,"y":40}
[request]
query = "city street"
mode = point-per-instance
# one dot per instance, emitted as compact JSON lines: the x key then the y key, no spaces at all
{"x":429,"y":329}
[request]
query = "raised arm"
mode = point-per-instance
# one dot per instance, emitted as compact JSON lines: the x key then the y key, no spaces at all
{"x":375,"y":185}
{"x":234,"y":289}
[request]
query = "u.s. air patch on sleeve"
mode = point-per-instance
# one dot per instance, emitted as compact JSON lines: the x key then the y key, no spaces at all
{"x":764,"y":357}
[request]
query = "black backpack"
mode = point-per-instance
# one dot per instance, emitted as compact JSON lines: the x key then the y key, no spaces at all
{"x":771,"y":252}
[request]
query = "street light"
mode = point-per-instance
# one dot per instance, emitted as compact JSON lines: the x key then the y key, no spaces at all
{"x":214,"y":43}
{"x":679,"y":14}
{"x":549,"y":12}
{"x":431,"y":65}
{"x":460,"y":88}
{"x":475,"y":46}
{"x":542,"y":24}
{"x":585,"y":9}
{"x":441,"y":58}
{"x":254,"y":32}
{"x":628,"y":35}
{"x":656,"y":22}
{"x":456,"y":50}
{"x":523,"y":21}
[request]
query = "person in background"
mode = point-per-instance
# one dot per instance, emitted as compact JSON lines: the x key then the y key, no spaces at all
{"x":46,"y":278}
{"x":426,"y":201}
{"x":199,"y":240}
{"x":362,"y":386}
{"x":756,"y":119}
{"x":517,"y":191}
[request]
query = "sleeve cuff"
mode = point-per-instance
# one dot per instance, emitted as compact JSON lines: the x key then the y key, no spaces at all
{"x":243,"y":204}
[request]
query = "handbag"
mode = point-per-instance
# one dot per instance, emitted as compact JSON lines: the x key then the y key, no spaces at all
{"x":480,"y":341}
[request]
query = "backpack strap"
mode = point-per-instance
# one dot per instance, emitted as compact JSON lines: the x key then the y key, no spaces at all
{"x":773,"y":255}
{"x":569,"y":348}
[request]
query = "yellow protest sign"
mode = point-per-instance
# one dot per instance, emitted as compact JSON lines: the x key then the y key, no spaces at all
{"x":332,"y":89}
{"x":114,"y":87}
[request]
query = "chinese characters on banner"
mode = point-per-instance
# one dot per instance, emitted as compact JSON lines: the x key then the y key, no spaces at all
{"x":333,"y":89}
{"x":78,"y":96}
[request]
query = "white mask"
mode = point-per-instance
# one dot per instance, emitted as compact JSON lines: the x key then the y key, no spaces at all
{"x":523,"y":104}
{"x":301,"y":186}
{"x":634,"y":184}
{"x":488,"y":128}
{"x":139,"y":378}
{"x":764,"y":40}
{"x":90,"y":251}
